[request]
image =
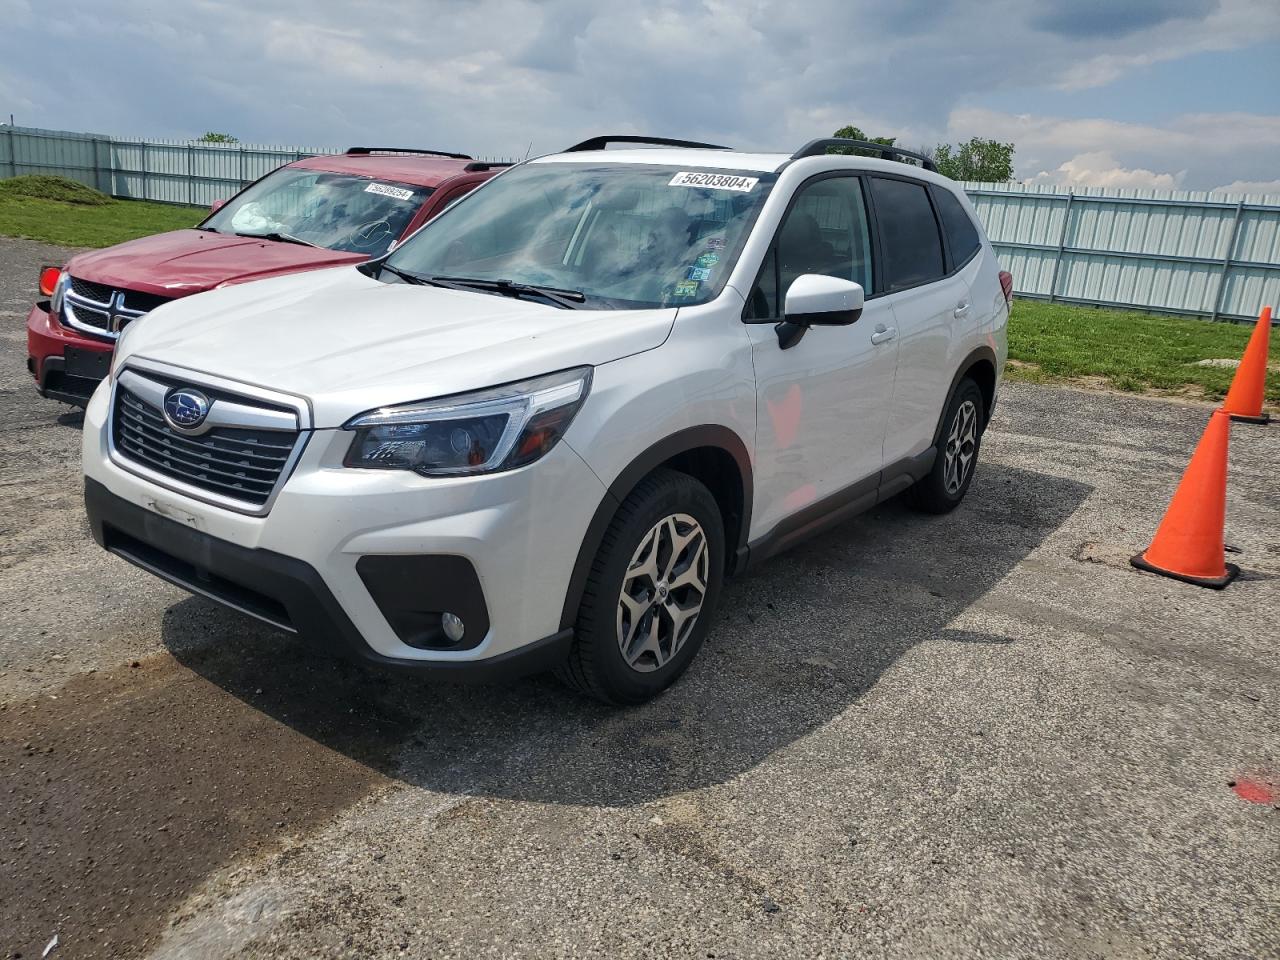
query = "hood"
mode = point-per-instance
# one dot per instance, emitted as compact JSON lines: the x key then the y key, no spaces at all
{"x":348,"y":343}
{"x":191,"y":261}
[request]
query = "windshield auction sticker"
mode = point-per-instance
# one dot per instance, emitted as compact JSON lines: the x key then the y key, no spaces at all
{"x":382,"y":190}
{"x":716,"y":181}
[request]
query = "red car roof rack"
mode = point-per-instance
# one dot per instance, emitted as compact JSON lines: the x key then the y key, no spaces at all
{"x":429,"y":153}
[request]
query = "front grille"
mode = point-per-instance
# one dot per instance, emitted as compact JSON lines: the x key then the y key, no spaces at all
{"x":142,"y":302}
{"x":89,"y":317}
{"x":98,"y":308}
{"x":235,"y":462}
{"x":92,"y":291}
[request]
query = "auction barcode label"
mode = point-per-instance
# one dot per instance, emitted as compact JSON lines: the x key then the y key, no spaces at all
{"x":716,"y":181}
{"x":383,"y":190}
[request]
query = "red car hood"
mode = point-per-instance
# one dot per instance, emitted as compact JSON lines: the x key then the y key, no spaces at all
{"x":191,"y":261}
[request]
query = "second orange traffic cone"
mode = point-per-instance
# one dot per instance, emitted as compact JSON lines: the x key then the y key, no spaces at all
{"x":1188,"y":543}
{"x":1244,"y":399}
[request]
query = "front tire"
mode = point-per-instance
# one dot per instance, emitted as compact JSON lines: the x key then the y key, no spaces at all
{"x":651,"y":593}
{"x":948,"y":481}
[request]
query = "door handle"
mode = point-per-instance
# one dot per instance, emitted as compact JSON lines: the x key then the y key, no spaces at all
{"x":883,"y":334}
{"x":962,"y":310}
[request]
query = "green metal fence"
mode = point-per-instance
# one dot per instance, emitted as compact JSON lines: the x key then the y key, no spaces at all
{"x":1201,"y":254}
{"x":169,"y":171}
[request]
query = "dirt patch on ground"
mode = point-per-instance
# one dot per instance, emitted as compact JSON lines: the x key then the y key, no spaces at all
{"x":1190,"y":393}
{"x":1229,"y":363}
{"x":128,"y":787}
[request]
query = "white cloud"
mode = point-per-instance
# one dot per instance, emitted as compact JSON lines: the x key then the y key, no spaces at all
{"x":1100,"y":169}
{"x":15,"y":12}
{"x":1271,"y":187}
{"x":1188,"y":152}
{"x":1228,"y":25}
{"x":491,"y":75}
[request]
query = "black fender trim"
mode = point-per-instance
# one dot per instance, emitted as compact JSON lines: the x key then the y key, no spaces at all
{"x":979,"y":354}
{"x":691,"y":438}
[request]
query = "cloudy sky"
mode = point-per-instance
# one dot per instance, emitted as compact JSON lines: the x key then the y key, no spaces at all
{"x":1139,"y":93}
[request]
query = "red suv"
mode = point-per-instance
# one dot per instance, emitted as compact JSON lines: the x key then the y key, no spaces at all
{"x":314,"y":213}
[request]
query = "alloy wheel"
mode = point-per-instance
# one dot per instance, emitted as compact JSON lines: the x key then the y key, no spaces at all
{"x":663,"y":591}
{"x":962,"y":442}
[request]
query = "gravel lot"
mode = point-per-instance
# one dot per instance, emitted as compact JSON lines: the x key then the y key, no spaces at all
{"x":981,"y":735}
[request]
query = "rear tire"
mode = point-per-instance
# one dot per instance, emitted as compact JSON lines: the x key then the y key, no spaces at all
{"x":942,"y":489}
{"x":651,"y":592}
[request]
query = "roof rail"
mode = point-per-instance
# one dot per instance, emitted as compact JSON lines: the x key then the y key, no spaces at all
{"x":818,"y":148}
{"x":479,"y":166}
{"x":429,"y":153}
{"x":599,"y":143}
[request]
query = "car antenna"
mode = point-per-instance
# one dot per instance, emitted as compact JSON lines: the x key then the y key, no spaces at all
{"x":529,"y":151}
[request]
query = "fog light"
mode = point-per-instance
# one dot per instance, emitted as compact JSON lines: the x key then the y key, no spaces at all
{"x":453,"y":626}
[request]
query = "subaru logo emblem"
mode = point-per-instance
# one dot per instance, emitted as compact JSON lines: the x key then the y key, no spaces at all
{"x":185,"y":409}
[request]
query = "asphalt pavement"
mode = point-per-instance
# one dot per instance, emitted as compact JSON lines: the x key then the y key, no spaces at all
{"x":979,"y":735}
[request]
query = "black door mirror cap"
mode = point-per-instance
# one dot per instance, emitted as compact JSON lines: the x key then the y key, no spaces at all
{"x":828,"y":318}
{"x":792,"y":328}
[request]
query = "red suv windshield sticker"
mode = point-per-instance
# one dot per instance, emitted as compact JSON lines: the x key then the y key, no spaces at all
{"x":383,"y":190}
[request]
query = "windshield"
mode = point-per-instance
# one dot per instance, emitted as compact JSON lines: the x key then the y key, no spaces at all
{"x":623,"y":235}
{"x":338,"y":211}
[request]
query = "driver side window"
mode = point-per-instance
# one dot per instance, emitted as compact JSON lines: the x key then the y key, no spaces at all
{"x":825,"y":232}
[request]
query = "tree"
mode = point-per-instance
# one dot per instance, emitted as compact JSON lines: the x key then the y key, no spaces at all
{"x":854,"y":133}
{"x":212,"y":137}
{"x":987,"y":161}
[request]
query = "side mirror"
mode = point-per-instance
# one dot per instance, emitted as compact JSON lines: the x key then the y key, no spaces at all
{"x":817,"y":300}
{"x":217,"y":205}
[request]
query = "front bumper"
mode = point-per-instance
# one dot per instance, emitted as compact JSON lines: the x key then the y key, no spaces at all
{"x":339,"y":545}
{"x":282,"y":591}
{"x":47,"y":342}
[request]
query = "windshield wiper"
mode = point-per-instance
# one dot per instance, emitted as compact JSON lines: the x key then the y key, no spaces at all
{"x":562,"y":298}
{"x":404,"y":274}
{"x":277,"y":235}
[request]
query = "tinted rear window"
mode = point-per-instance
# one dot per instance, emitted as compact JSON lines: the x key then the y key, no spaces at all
{"x":908,"y":232}
{"x":962,"y":235}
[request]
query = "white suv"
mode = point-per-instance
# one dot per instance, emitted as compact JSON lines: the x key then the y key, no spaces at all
{"x":540,"y":433}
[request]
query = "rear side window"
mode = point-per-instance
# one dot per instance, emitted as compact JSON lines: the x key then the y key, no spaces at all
{"x":962,"y":235}
{"x":908,"y":233}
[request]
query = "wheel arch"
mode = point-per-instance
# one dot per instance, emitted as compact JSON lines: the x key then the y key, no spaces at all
{"x":713,"y":454}
{"x":980,"y":366}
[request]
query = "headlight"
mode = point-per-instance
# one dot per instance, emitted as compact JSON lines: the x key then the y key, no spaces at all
{"x":482,"y":432}
{"x":59,"y":292}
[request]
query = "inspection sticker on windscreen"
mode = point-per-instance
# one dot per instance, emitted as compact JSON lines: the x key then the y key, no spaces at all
{"x":716,"y":181}
{"x":383,"y":190}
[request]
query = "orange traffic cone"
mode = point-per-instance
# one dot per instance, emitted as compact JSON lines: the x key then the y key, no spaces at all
{"x":1244,"y":399}
{"x":1188,"y":544}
